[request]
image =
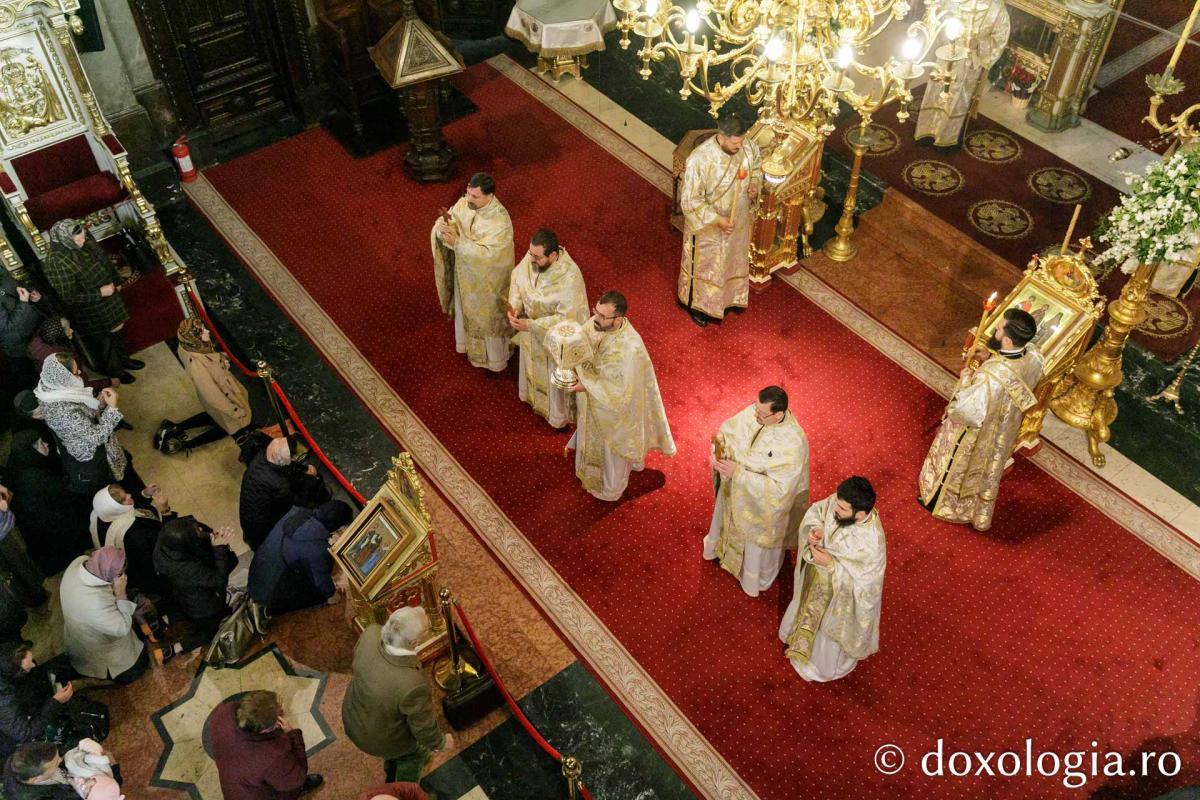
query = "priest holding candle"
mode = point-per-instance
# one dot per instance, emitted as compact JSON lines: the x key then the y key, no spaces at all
{"x":960,"y":478}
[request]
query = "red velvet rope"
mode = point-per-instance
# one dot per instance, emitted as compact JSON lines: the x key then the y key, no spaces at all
{"x":316,"y":448}
{"x":283,"y":398}
{"x":508,"y":698}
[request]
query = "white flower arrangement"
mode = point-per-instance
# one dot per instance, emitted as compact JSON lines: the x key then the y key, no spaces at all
{"x":1158,"y":222}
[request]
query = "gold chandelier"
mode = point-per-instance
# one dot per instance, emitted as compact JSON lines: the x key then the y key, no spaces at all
{"x":796,"y":59}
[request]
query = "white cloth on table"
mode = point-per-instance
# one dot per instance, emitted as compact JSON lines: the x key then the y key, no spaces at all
{"x":553,"y":28}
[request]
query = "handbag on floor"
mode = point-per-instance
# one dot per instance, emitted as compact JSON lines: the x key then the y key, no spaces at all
{"x":236,"y":633}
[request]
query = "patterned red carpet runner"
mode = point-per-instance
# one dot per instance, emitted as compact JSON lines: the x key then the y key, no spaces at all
{"x":1013,"y":197}
{"x":1057,"y":626}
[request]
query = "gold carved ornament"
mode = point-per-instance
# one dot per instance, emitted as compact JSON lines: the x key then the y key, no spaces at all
{"x":27,"y":98}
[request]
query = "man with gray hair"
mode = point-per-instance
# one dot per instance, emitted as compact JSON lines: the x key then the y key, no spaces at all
{"x":388,"y":708}
{"x":721,"y":181}
{"x":271,"y":486}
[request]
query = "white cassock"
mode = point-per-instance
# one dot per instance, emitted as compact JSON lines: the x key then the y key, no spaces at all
{"x":944,"y":118}
{"x":759,"y":507}
{"x":621,"y":415}
{"x":832,"y":622}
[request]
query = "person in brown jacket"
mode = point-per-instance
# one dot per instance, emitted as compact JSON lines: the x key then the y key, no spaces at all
{"x":225,"y":400}
{"x":259,"y":756}
{"x":388,"y":708}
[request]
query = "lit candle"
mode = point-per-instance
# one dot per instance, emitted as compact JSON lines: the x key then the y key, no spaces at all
{"x":989,"y":305}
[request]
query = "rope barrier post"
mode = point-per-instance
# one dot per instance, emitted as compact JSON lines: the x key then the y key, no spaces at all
{"x":268,"y":379}
{"x":572,"y":770}
{"x":187,"y":293}
{"x":446,"y":671}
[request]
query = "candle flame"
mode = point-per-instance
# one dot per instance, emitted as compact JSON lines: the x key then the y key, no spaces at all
{"x":990,"y":303}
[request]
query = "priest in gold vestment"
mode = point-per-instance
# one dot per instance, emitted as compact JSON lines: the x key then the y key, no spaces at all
{"x":945,"y":118}
{"x":472,"y":263}
{"x":721,"y":182}
{"x":960,"y":478}
{"x":621,"y":415}
{"x":832,"y":622}
{"x":546,"y":288}
{"x":760,"y":458}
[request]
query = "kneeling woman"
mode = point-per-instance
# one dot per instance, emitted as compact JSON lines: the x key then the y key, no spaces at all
{"x":292,"y":568}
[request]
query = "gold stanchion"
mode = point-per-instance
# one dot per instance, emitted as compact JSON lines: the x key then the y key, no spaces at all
{"x":461,"y":665}
{"x":840,"y":248}
{"x":1084,"y":398}
{"x":572,"y":770}
{"x":1171,"y":393}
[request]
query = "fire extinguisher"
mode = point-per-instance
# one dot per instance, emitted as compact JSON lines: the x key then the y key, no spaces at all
{"x":183,"y":160}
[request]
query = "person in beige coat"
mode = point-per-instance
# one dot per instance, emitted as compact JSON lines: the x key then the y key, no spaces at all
{"x":98,"y":618}
{"x":225,"y":400}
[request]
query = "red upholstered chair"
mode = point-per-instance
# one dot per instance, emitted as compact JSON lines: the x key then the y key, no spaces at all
{"x":64,"y":180}
{"x":58,"y":156}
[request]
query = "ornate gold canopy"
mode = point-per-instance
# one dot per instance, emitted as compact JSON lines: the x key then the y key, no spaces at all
{"x":411,"y":53}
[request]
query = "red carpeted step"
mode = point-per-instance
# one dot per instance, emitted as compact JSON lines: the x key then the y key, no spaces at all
{"x":1058,"y":625}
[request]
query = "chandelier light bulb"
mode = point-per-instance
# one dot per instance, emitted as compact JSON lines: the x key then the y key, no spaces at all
{"x":651,"y":7}
{"x":954,"y":27}
{"x":844,"y":56}
{"x":692,"y":21}
{"x":910,"y":49}
{"x":774,"y":49}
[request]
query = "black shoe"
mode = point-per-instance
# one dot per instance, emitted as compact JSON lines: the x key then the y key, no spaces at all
{"x":698,"y":318}
{"x":134,"y":363}
{"x":124,"y":426}
{"x":164,"y":427}
{"x":127,"y":377}
{"x":313,"y":781}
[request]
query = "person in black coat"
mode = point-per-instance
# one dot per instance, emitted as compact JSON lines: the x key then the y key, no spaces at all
{"x":121,"y":520}
{"x":52,"y":519}
{"x":196,"y":563}
{"x":293,"y":569}
{"x":18,"y":321}
{"x":34,"y":772}
{"x":28,"y":701}
{"x":271,"y":486}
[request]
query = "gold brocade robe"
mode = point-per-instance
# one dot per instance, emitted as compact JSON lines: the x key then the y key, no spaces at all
{"x":621,"y":407}
{"x":945,"y":124}
{"x":842,"y":601}
{"x":479,"y":266}
{"x":960,"y":478}
{"x":768,"y":494}
{"x":546,"y":298}
{"x":714,"y":273}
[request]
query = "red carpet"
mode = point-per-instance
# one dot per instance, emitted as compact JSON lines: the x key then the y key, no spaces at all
{"x":1057,"y":626}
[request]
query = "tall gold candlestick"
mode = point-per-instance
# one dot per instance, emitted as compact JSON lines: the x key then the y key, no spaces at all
{"x":1183,"y":38}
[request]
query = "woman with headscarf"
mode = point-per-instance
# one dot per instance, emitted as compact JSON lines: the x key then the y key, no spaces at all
{"x":85,"y":280}
{"x":53,"y":520}
{"x":98,"y":618}
{"x":84,"y":425}
{"x":292,"y":568}
{"x":28,"y":700}
{"x":116,"y":521}
{"x":196,"y":563}
{"x":226,"y":401}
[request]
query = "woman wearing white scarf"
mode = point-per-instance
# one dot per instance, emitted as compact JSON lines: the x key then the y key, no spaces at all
{"x":118,"y":522}
{"x":84,"y":425}
{"x":117,"y":515}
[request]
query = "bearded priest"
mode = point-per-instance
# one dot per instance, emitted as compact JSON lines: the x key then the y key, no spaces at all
{"x":621,"y":415}
{"x":546,"y":288}
{"x":472,"y":261}
{"x":960,"y":478}
{"x":832,"y":622}
{"x":760,"y":461}
{"x":721,"y":182}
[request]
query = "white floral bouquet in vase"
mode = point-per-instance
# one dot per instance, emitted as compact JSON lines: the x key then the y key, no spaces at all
{"x":1159,"y":222}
